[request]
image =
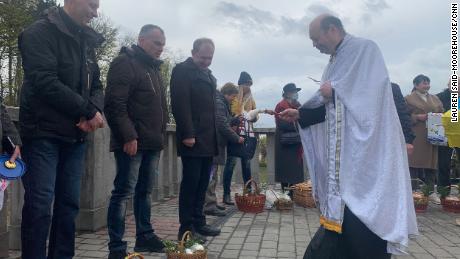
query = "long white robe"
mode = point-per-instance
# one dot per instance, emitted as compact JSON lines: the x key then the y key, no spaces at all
{"x":357,"y":157}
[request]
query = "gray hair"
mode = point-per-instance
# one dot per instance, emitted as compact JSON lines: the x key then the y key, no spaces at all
{"x":327,"y":21}
{"x":199,"y":42}
{"x":146,"y":29}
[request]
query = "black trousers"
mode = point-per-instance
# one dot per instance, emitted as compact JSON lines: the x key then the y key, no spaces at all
{"x":444,"y":165}
{"x":195,"y":180}
{"x":428,"y":176}
{"x":355,"y":242}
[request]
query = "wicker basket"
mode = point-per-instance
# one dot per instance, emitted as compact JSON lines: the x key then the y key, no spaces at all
{"x":451,"y":203}
{"x":420,"y":199}
{"x":283,"y":204}
{"x":250,"y":202}
{"x":420,"y":202}
{"x":134,"y":256}
{"x":303,"y":195}
{"x":181,"y":248}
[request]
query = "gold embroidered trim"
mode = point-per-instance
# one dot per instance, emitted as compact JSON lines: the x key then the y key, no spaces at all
{"x":330,"y":225}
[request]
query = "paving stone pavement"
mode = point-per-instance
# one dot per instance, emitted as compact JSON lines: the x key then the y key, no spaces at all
{"x":272,"y":234}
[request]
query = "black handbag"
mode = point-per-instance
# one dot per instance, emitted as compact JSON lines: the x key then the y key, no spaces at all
{"x":245,"y":150}
{"x":290,"y":138}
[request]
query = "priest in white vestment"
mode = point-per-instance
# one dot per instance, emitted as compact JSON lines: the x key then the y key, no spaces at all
{"x":355,"y":151}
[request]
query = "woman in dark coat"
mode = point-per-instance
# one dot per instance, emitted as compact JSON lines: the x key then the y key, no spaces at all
{"x":288,"y":157}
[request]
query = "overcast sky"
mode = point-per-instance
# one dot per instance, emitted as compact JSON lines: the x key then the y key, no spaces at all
{"x":269,"y":38}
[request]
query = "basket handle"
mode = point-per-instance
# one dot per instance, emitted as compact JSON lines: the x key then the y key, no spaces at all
{"x":274,"y":193}
{"x":187,"y":235}
{"x":134,"y":255}
{"x":418,"y":180}
{"x":245,"y":189}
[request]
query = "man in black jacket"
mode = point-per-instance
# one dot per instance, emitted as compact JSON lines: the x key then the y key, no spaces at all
{"x":404,"y":117}
{"x":136,"y":111}
{"x":61,"y":100}
{"x":193,"y":90}
{"x":445,"y":153}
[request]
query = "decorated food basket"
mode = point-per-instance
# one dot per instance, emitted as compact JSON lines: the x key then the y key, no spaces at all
{"x":188,"y":248}
{"x":420,"y":196}
{"x":250,"y":201}
{"x":450,"y":203}
{"x":283,"y":202}
{"x":303,"y":195}
{"x":134,"y":256}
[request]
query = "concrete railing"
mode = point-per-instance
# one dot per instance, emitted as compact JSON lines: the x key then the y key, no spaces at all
{"x":98,"y":179}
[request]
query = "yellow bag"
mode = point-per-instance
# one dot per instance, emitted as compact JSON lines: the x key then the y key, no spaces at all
{"x":452,"y":130}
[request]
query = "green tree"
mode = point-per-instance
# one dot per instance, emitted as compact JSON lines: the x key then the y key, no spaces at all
{"x":108,"y":50}
{"x":169,"y":61}
{"x":15,"y":15}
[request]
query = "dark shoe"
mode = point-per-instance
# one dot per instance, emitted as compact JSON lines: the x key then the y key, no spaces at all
{"x":215,"y":212}
{"x":207,"y":230}
{"x":220,"y":207}
{"x":227,"y":200}
{"x":117,"y":255}
{"x":153,"y":244}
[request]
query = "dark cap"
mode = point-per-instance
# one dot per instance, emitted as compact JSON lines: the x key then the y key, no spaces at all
{"x":291,"y":87}
{"x":245,"y":78}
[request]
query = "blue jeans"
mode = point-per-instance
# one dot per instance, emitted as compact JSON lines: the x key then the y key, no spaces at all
{"x":135,"y":175}
{"x":228,"y":172}
{"x":54,"y":170}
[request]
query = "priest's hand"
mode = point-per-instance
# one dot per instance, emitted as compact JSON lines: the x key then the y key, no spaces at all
{"x":326,"y":90}
{"x":289,"y":115}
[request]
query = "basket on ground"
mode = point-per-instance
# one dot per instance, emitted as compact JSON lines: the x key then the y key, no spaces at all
{"x":420,"y":202}
{"x":303,"y":195}
{"x":250,"y":201}
{"x":180,"y":251}
{"x":420,"y":195}
{"x":283,"y":202}
{"x":451,"y":203}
